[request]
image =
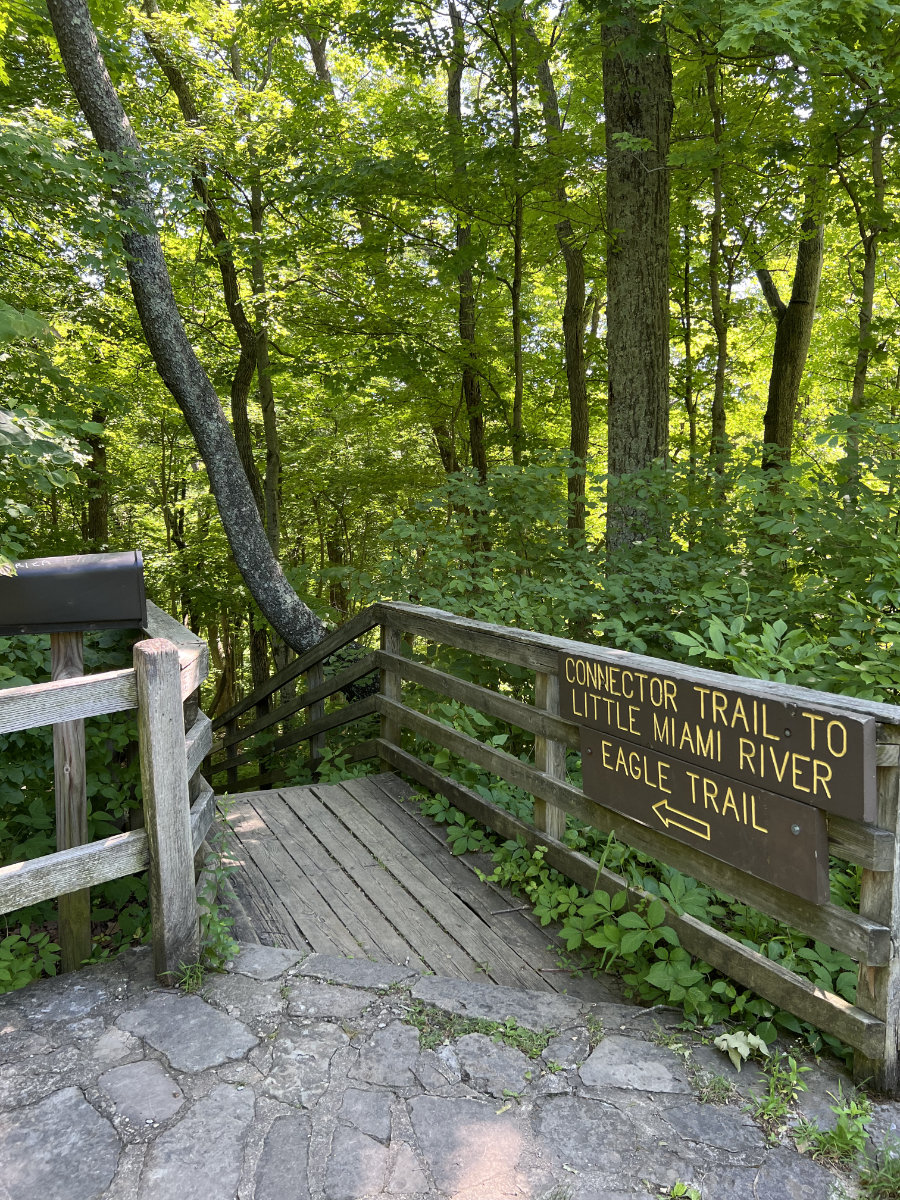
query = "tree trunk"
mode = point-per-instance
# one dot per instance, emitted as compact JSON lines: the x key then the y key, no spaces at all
{"x":573,"y":311}
{"x":272,"y":485}
{"x":242,"y":379}
{"x":718,"y":446}
{"x":793,"y":332}
{"x":443,"y":439}
{"x":517,"y":441}
{"x":97,"y":529}
{"x":687,"y":330}
{"x":164,"y":330}
{"x":869,"y":233}
{"x":637,"y":89}
{"x":471,"y":383}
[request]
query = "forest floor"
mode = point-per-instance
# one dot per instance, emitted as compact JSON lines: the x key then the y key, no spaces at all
{"x":312,"y":1077}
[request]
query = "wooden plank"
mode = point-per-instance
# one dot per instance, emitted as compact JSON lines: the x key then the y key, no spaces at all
{"x":299,"y":899}
{"x":26,"y":883}
{"x":194,"y":667}
{"x":334,"y":683}
{"x":167,"y":817}
{"x":39,"y":704}
{"x":867,"y":845}
{"x":70,"y":786}
{"x":341,"y":716}
{"x":825,"y":1010}
{"x":328,"y":903}
{"x":878,"y":988}
{"x":339,"y":890}
{"x":391,"y":679}
{"x":257,"y":783}
{"x":538,"y":652}
{"x":860,"y":937}
{"x":420,"y":910}
{"x":197,"y":743}
{"x":504,"y":708}
{"x":363,"y":751}
{"x":161,"y":624}
{"x":479,"y":942}
{"x":259,"y":895}
{"x":342,"y":636}
{"x":411,"y":926}
{"x":549,"y":756}
{"x":203,"y":813}
{"x":314,"y":677}
{"x":528,"y":945}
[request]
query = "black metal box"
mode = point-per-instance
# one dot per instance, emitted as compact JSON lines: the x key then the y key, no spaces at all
{"x":74,"y":592}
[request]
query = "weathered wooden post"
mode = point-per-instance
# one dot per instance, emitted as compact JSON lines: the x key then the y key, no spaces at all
{"x":173,"y":900}
{"x":549,"y":756}
{"x":70,"y":783}
{"x":64,"y":596}
{"x":391,"y":683}
{"x":878,"y":988}
{"x":315,"y":677}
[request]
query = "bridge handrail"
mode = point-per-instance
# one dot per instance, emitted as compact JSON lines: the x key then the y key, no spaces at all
{"x":867,"y":936}
{"x":178,"y":803}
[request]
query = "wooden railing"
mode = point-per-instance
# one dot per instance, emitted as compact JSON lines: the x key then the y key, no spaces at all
{"x":178,"y":803}
{"x":869,"y":936}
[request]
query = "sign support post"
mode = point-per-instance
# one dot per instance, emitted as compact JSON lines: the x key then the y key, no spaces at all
{"x":70,"y":781}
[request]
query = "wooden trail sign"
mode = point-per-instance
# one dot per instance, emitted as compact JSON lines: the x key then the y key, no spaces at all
{"x":737,"y":773}
{"x":820,"y":756}
{"x":770,"y":836}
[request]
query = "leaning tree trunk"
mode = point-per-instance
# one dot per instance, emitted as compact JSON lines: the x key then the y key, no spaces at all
{"x":178,"y":365}
{"x":637,"y":90}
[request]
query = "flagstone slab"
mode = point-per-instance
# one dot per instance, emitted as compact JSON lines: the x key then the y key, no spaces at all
{"x":191,"y":1033}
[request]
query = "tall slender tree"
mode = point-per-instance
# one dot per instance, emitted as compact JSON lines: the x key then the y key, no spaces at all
{"x":178,"y":365}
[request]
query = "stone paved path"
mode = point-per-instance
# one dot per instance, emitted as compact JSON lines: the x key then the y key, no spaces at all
{"x":301,"y":1080}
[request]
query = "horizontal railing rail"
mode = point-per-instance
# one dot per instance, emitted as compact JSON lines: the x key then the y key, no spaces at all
{"x":178,"y":803}
{"x":868,"y":936}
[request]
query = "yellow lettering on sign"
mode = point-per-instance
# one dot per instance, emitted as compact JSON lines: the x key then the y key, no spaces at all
{"x":820,"y":776}
{"x":796,"y":770}
{"x":738,"y":714}
{"x":758,"y":828}
{"x":832,"y":725}
{"x":729,"y":803}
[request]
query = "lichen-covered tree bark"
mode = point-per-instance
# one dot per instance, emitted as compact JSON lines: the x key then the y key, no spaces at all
{"x":637,"y":90}
{"x":178,"y":365}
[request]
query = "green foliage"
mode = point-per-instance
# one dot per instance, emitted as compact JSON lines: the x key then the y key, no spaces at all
{"x":880,"y":1177}
{"x":784,"y":1086}
{"x":217,"y":944}
{"x":602,"y":934}
{"x":739,"y":1045}
{"x":846,"y":1141}
{"x":436,"y":1026}
{"x":25,"y":956}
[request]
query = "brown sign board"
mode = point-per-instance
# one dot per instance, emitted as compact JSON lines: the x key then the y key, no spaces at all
{"x":807,"y":752}
{"x":769,"y":836}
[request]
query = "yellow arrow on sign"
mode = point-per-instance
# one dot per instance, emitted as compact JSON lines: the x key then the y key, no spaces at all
{"x":694,"y":825}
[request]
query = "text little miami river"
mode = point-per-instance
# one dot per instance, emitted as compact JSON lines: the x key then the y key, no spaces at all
{"x":746,"y":778}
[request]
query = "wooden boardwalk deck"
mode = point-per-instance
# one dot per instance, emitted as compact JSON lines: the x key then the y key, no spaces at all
{"x":354,"y":869}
